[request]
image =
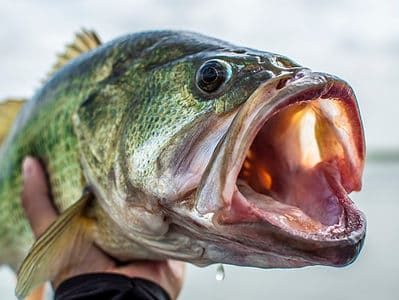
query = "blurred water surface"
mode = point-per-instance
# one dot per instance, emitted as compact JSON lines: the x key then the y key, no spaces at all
{"x":375,"y":274}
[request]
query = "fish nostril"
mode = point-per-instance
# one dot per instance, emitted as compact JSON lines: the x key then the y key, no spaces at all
{"x":297,"y":75}
{"x":300,"y":74}
{"x":281,"y":83}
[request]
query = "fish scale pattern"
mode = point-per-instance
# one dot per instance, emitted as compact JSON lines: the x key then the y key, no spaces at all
{"x":52,"y":141}
{"x":116,"y":116}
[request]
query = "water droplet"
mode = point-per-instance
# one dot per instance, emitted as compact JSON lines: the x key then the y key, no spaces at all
{"x":220,"y":272}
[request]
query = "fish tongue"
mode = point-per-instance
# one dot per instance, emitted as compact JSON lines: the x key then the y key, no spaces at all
{"x":249,"y":206}
{"x":269,"y":207}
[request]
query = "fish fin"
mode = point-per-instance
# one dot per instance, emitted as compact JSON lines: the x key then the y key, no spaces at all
{"x":85,"y":41}
{"x":9,"y":110}
{"x":63,"y":242}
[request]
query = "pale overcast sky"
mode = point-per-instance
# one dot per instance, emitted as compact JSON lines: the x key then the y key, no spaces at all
{"x":356,"y":40}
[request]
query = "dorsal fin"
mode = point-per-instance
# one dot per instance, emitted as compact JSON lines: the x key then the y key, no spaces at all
{"x":9,"y":110}
{"x":85,"y":41}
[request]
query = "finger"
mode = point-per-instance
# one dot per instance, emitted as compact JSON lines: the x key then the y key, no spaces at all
{"x":151,"y":270}
{"x":35,"y":197}
{"x":178,"y":268}
{"x":168,"y":274}
{"x":91,"y":260}
{"x":175,"y":274}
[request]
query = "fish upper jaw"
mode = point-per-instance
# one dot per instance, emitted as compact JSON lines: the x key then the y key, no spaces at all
{"x":285,"y":167}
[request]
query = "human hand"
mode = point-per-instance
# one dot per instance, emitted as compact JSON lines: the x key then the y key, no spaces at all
{"x":41,"y":213}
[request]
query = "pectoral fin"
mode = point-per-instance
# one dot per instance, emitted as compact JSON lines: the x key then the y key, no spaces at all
{"x":60,"y":247}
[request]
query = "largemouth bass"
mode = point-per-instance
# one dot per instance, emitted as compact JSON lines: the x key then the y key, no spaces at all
{"x":171,"y":144}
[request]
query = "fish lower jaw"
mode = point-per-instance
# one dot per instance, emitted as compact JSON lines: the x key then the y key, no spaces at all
{"x":269,"y":226}
{"x":249,"y":207}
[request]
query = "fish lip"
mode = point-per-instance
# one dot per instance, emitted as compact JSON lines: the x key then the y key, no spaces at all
{"x":306,"y":86}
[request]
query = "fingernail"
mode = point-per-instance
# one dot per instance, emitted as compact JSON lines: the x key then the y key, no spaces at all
{"x":27,"y":167}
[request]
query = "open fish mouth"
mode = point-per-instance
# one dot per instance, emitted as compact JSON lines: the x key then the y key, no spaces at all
{"x":291,"y":156}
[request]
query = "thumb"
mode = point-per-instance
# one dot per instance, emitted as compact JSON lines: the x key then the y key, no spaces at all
{"x":36,"y":197}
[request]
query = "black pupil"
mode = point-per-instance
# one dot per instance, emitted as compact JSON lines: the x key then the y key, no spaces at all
{"x":211,"y":76}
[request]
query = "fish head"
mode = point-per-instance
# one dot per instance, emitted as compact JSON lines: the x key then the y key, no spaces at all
{"x":184,"y":102}
{"x":282,"y":175}
{"x":185,"y":105}
{"x":242,"y":157}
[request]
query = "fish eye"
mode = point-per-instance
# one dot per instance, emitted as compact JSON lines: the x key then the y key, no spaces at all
{"x":212,"y":75}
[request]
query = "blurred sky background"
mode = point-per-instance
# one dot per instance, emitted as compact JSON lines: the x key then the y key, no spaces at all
{"x":357,"y":40}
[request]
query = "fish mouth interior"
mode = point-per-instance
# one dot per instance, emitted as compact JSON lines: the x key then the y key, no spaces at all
{"x":297,"y":172}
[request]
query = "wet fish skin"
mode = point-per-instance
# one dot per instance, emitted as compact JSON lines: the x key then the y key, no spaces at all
{"x":112,"y":120}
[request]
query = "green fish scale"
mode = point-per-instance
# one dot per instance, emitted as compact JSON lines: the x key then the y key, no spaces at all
{"x":62,"y":162}
{"x":44,"y":129}
{"x":131,"y":99}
